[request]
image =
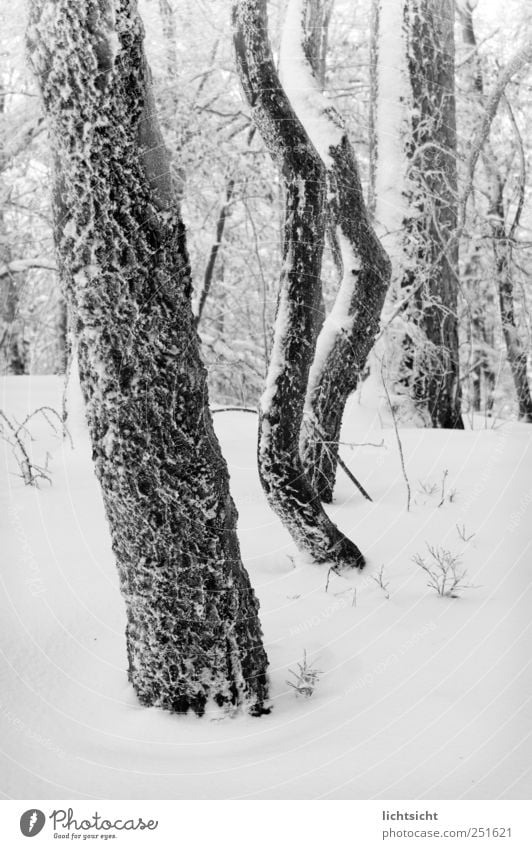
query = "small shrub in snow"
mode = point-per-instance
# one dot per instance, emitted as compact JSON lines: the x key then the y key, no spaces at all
{"x":379,"y":580}
{"x":443,"y":570}
{"x":462,"y":533}
{"x":427,"y":487}
{"x":305,"y":678}
{"x":16,"y":435}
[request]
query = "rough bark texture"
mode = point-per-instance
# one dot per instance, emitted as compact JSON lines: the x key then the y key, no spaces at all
{"x":430,"y":28}
{"x":415,"y":202}
{"x":348,"y":333}
{"x":281,"y":472}
{"x":501,"y":239}
{"x":193,"y":634}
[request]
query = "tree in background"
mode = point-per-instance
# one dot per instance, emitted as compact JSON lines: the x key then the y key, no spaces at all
{"x":193,"y":634}
{"x":502,"y":233}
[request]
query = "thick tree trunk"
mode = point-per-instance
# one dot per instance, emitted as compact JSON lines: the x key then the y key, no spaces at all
{"x":281,"y":471}
{"x":348,"y":333}
{"x":433,"y":170}
{"x":501,"y":240}
{"x":193,"y":634}
{"x":416,"y":200}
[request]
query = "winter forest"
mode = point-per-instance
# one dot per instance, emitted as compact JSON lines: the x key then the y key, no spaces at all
{"x":266,"y":412}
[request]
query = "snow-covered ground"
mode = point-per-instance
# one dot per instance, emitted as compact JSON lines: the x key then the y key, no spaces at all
{"x":419,"y":696}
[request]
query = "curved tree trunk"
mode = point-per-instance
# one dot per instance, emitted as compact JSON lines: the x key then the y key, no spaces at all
{"x":281,"y":471}
{"x":193,"y":634}
{"x":348,"y":333}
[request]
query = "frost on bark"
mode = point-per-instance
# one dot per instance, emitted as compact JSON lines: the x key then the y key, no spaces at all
{"x":193,"y":634}
{"x":286,"y":486}
{"x":349,"y":331}
{"x":502,"y":235}
{"x":416,"y":201}
{"x":433,"y":170}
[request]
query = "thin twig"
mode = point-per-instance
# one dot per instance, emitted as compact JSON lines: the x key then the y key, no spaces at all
{"x":341,"y":463}
{"x":234,"y":410}
{"x":399,"y":443}
{"x":445,"y":473}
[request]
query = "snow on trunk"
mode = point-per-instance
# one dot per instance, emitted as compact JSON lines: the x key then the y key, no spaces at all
{"x":394,"y":104}
{"x":193,"y":634}
{"x":348,"y":333}
{"x":280,"y":467}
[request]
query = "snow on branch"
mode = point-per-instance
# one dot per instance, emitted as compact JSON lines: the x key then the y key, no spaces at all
{"x":18,"y":265}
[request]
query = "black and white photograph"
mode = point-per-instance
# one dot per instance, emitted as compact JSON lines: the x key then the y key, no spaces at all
{"x":265,"y":412}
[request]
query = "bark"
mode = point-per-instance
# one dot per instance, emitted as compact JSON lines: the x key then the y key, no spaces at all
{"x":348,"y":333}
{"x":502,"y":240}
{"x":433,"y":171}
{"x":193,"y":634}
{"x":415,"y":199}
{"x":280,"y":468}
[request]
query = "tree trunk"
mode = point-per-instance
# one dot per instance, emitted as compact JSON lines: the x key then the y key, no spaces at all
{"x":348,"y":333}
{"x":417,"y":208}
{"x":433,"y":170}
{"x":516,"y":354}
{"x":12,"y":345}
{"x":193,"y":634}
{"x":211,"y":262}
{"x":280,"y":468}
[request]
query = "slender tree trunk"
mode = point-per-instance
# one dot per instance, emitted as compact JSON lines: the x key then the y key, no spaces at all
{"x":280,"y":468}
{"x":348,"y":333}
{"x":63,"y":343}
{"x":501,"y":240}
{"x":417,"y":208}
{"x":193,"y":634}
{"x":12,"y":343}
{"x":211,"y":262}
{"x":516,"y":354}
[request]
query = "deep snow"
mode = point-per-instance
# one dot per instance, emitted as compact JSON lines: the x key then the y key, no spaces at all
{"x":419,"y":696}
